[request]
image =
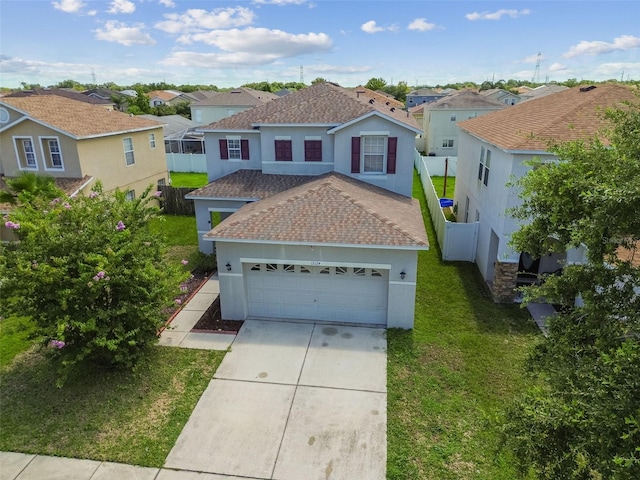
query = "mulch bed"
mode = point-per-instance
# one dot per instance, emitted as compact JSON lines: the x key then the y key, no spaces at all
{"x":211,"y":321}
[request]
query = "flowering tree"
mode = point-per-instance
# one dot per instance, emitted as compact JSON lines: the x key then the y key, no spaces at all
{"x":90,"y":274}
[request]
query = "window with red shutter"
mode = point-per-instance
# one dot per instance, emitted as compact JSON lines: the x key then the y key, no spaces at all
{"x":224,"y":153}
{"x":313,"y":150}
{"x":392,"y":146}
{"x":283,"y":151}
{"x":244,"y":149}
{"x":355,"y":154}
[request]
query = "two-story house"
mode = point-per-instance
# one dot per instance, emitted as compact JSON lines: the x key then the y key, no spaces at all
{"x":423,"y":95}
{"x":440,"y":119}
{"x":493,"y":152}
{"x":314,"y":190}
{"x":502,"y":96}
{"x":73,"y":141}
{"x":224,"y":104}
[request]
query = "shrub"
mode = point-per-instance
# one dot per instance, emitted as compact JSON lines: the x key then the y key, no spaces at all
{"x":91,"y":275}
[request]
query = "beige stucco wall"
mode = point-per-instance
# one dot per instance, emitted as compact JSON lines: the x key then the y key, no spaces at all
{"x":103,"y":158}
{"x":35,"y":131}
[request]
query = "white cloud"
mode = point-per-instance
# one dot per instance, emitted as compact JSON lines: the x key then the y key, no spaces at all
{"x":422,"y":25}
{"x":531,"y":59}
{"x":167,"y":3}
{"x":216,"y":60}
{"x":262,"y":41}
{"x":336,"y":69}
{"x":624,"y":42}
{"x":119,"y":32}
{"x":617,"y":68}
{"x":497,"y":15}
{"x":122,"y":6}
{"x":92,"y":13}
{"x":558,"y":68}
{"x":372,"y":27}
{"x":198,"y":20}
{"x":69,"y":6}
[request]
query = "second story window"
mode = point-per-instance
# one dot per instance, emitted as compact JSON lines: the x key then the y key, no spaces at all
{"x":481,"y":165}
{"x":484,"y":166}
{"x":128,"y":150}
{"x":52,"y":154}
{"x":447,"y":143}
{"x":373,"y":154}
{"x":313,"y":150}
{"x":26,"y":153}
{"x":233,"y":147}
{"x":152,"y":140}
{"x":284,"y":152}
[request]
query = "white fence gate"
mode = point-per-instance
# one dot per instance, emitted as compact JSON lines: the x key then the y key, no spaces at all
{"x":458,"y":241}
{"x":187,"y":162}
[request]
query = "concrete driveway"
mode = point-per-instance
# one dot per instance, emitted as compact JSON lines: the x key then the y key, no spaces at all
{"x":292,"y":401}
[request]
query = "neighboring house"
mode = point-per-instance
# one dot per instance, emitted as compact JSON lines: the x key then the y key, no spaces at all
{"x":314,"y":189}
{"x":378,"y":96}
{"x":502,"y":96}
{"x":528,"y":93}
{"x":493,"y":151}
{"x":120,"y":100}
{"x":65,"y":93}
{"x":167,"y":97}
{"x":179,"y":134}
{"x":423,"y":95}
{"x":71,"y":141}
{"x":226,"y":104}
{"x":440,"y":120}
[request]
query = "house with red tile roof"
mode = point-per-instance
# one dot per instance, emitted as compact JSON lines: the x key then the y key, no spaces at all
{"x":78,"y":143}
{"x":318,"y":224}
{"x":493,"y":151}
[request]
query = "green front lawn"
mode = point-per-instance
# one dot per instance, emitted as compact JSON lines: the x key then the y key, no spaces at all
{"x":438,"y":183}
{"x":14,"y":338}
{"x":129,"y":417}
{"x":194,"y":180}
{"x":450,"y":377}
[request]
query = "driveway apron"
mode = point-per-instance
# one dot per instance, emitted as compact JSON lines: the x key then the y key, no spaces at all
{"x":292,"y":401}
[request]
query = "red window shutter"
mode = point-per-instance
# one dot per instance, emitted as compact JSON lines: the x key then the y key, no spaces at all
{"x":244,"y":149}
{"x":392,"y":146}
{"x":283,"y":151}
{"x":312,"y":150}
{"x":355,"y":154}
{"x":224,"y":153}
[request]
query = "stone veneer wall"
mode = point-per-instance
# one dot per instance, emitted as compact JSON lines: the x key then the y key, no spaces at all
{"x":504,"y":282}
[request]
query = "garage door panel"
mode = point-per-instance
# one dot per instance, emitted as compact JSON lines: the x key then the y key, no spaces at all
{"x":341,"y":294}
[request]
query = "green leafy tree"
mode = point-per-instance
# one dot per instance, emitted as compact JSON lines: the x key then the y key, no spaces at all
{"x":28,"y":187}
{"x":376,"y":84}
{"x":581,"y":419}
{"x":140,"y":104}
{"x":91,"y":275}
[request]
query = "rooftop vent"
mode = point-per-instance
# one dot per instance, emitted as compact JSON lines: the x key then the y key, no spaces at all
{"x":392,"y":108}
{"x":387,"y":103}
{"x":587,"y":89}
{"x":371,"y":100}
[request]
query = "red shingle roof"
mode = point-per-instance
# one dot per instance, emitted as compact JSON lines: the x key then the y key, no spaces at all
{"x":567,"y":115}
{"x":331,"y":209}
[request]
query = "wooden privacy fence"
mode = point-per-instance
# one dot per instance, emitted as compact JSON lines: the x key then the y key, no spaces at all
{"x":173,"y":202}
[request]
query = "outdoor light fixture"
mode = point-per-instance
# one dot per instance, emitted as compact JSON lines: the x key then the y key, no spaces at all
{"x":228,"y":265}
{"x":403,"y":274}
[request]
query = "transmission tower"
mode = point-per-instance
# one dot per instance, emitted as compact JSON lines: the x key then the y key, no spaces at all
{"x":536,"y":74}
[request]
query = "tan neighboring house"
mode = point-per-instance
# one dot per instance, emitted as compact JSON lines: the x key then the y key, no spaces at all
{"x":78,"y":143}
{"x":167,"y":97}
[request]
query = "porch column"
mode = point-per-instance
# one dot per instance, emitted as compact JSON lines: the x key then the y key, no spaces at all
{"x":504,"y":282}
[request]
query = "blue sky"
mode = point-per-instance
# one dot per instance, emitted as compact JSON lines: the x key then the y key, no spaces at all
{"x":229,"y":43}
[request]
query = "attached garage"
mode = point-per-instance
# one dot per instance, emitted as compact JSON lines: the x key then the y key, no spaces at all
{"x":353,"y":294}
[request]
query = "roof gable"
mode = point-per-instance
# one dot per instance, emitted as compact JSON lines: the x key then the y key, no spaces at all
{"x":76,"y":119}
{"x":332,"y":209}
{"x":465,"y":99}
{"x":571,"y":114}
{"x":319,"y":104}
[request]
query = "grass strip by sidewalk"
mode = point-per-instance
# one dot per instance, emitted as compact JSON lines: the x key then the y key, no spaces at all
{"x":127,"y":417}
{"x":449,"y":378}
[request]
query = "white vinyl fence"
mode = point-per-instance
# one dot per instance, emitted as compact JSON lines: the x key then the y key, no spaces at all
{"x":187,"y":162}
{"x":458,"y":241}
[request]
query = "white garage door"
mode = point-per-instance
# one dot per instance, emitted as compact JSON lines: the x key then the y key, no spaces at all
{"x":341,"y":294}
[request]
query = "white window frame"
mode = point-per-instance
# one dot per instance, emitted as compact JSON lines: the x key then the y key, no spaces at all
{"x":487,"y":167}
{"x":481,"y":165}
{"x":234,"y":148}
{"x":152,"y":140}
{"x":22,"y":154}
{"x":128,"y":151}
{"x":381,"y":150}
{"x":197,"y":113}
{"x":130,"y":195}
{"x":447,"y":143}
{"x":453,"y":117}
{"x":48,"y":152}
